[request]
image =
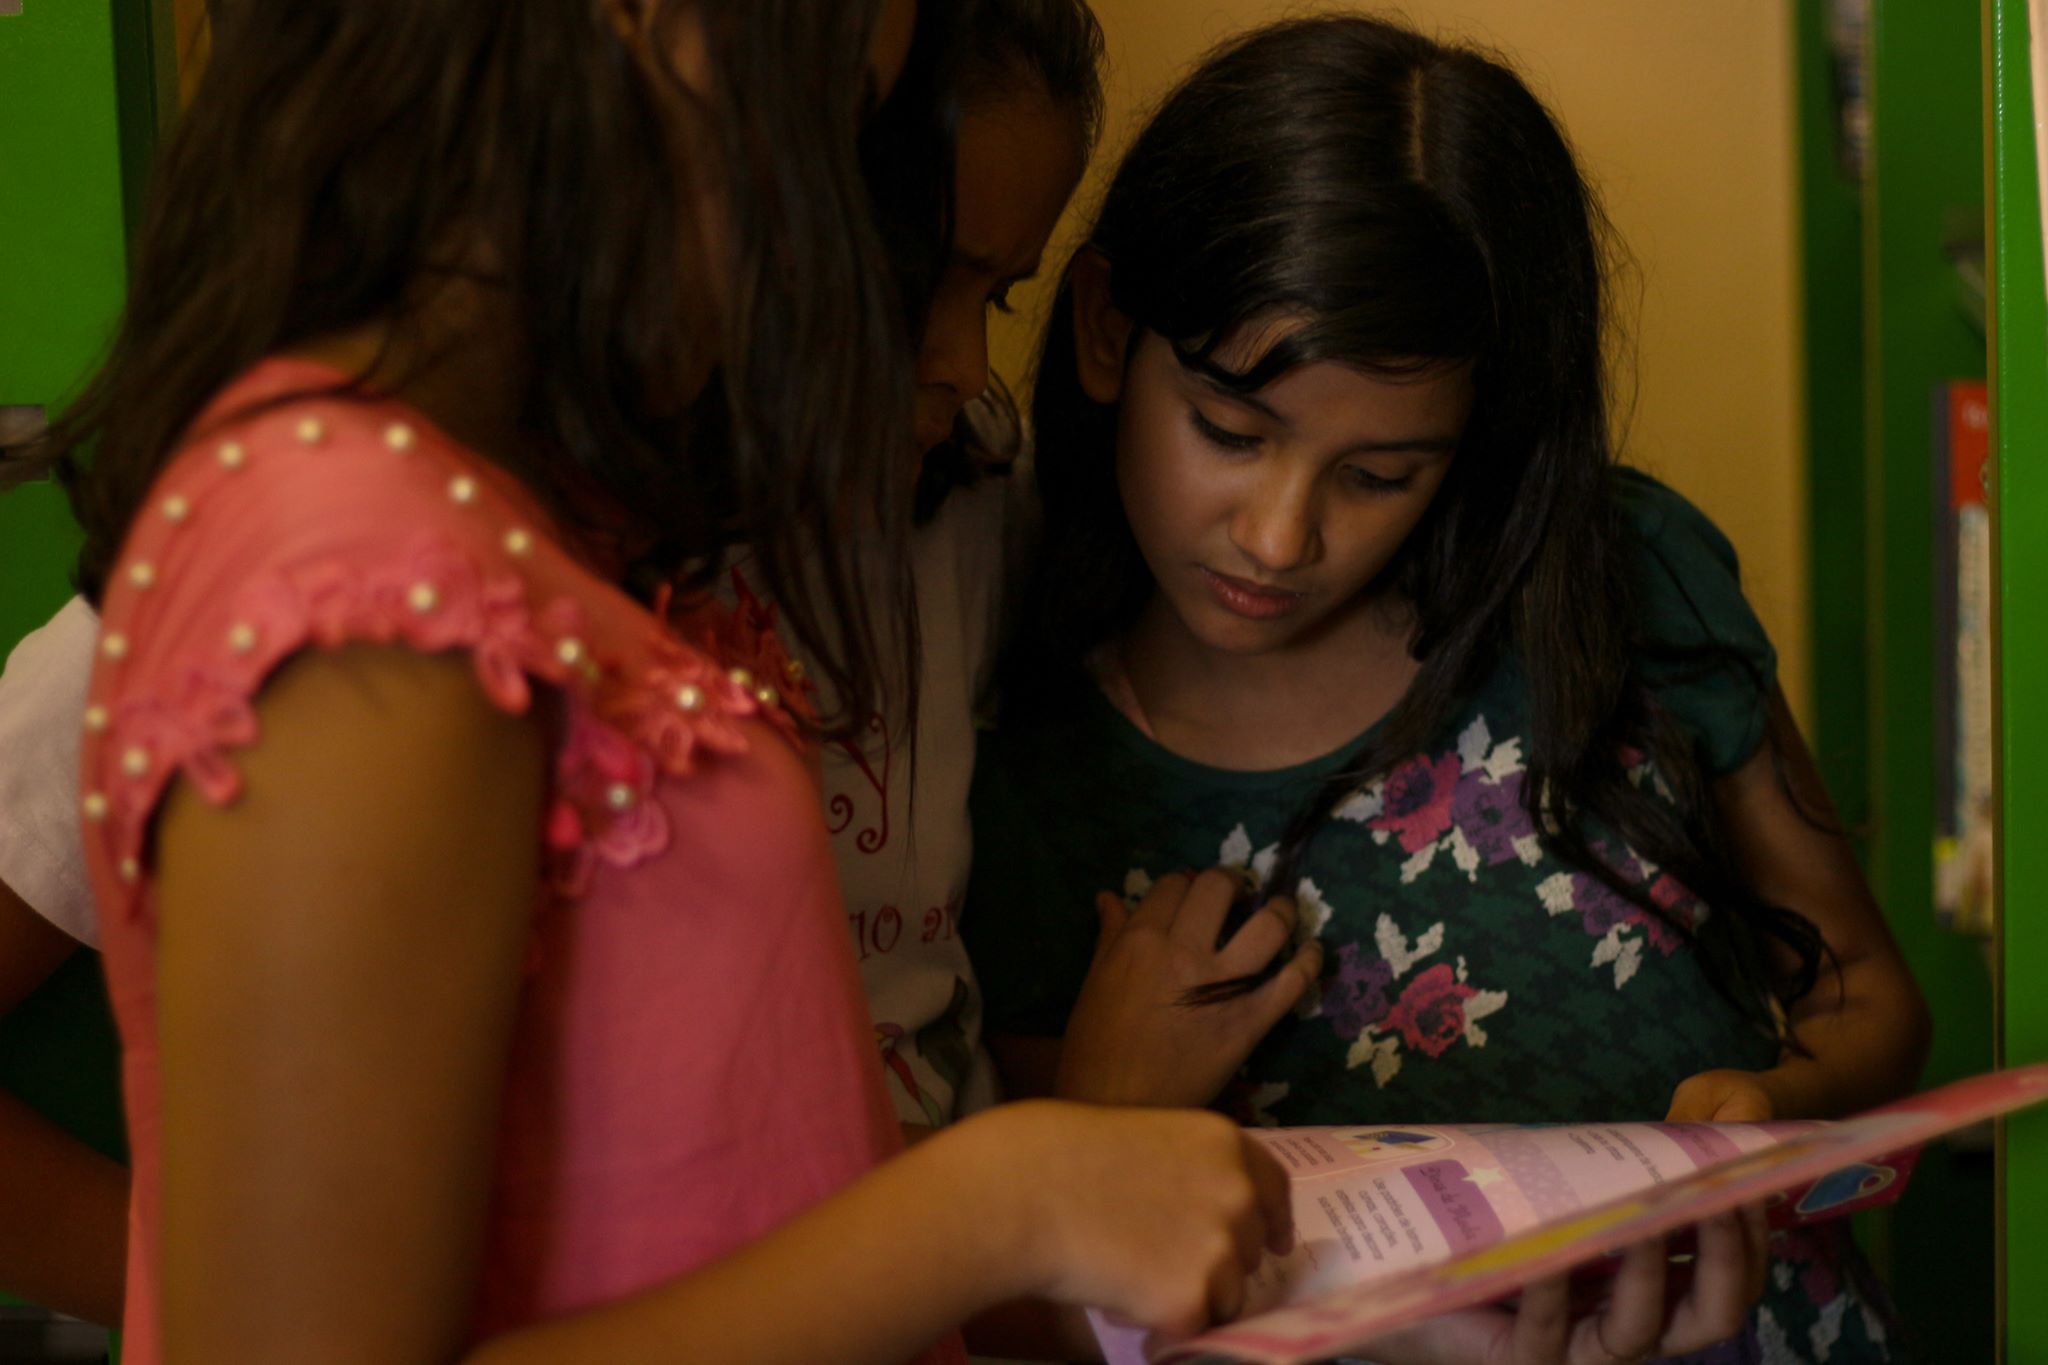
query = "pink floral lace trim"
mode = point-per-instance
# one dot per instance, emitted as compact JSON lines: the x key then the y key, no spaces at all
{"x":640,"y":717}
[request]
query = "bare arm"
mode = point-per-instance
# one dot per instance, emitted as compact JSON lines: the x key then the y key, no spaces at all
{"x":339,"y":957}
{"x":1867,"y":1032}
{"x":63,"y":1206}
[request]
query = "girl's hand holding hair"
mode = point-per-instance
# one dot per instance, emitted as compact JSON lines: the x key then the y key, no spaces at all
{"x":1135,"y":1036}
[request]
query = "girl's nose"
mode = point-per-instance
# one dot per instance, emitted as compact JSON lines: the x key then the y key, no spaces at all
{"x":954,"y":353}
{"x":1276,"y":528}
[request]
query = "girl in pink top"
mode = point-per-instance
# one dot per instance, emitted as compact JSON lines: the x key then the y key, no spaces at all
{"x":469,"y":918}
{"x":468,"y":915}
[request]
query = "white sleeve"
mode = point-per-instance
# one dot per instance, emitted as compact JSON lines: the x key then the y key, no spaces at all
{"x":42,"y":707}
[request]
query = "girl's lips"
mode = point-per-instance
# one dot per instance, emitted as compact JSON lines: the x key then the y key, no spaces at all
{"x":1249,"y":600}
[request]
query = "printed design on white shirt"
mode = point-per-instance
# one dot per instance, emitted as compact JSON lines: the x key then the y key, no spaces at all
{"x":944,"y":1047}
{"x":872,"y":838}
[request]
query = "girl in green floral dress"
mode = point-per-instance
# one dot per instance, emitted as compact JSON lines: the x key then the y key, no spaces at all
{"x":1344,"y":588}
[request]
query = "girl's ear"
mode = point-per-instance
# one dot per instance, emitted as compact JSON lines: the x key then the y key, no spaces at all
{"x":1102,"y":334}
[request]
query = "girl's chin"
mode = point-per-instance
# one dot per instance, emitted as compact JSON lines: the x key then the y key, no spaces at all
{"x":1221,"y":632}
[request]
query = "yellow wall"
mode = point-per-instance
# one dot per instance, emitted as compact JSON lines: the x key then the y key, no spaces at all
{"x":193,"y":40}
{"x":1683,"y":114}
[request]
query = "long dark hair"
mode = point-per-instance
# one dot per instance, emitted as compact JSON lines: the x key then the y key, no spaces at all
{"x":1412,"y":203}
{"x":1048,"y":47}
{"x":336,"y":159}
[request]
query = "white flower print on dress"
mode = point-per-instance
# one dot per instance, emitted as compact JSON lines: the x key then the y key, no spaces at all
{"x":1555,"y":891}
{"x":1827,"y":1329}
{"x":1313,"y":911}
{"x":1478,"y":1006}
{"x":1395,"y":948}
{"x":1382,"y":1054}
{"x":1626,"y":953}
{"x":1775,"y":1345}
{"x":1619,"y":927}
{"x":1263,"y":860}
{"x":1362,"y":805}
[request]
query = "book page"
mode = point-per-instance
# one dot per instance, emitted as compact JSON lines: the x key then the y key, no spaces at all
{"x":1370,"y":1202}
{"x":1394,"y":1225}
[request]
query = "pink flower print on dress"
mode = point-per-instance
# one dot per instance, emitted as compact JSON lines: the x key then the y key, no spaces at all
{"x":605,"y":806}
{"x":435,"y":599}
{"x":505,"y":651}
{"x":683,"y":701}
{"x":187,"y":728}
{"x":1819,"y":1280}
{"x":1677,"y":901}
{"x":330,"y":597}
{"x":570,"y":860}
{"x":445,"y":602}
{"x":776,"y":686}
{"x":1416,"y":807}
{"x":1430,"y":1015}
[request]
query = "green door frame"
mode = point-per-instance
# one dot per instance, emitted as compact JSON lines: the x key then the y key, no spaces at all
{"x":2018,"y":315}
{"x":1883,"y":328}
{"x":85,"y":85}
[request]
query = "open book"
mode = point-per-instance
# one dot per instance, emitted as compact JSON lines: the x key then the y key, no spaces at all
{"x":1397,"y":1224}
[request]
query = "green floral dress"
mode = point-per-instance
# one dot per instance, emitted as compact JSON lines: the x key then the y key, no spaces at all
{"x":1470,"y":977}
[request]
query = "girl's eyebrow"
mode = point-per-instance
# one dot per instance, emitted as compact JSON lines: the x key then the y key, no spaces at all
{"x":1250,"y":400}
{"x":1420,"y":445}
{"x":1423,"y":445}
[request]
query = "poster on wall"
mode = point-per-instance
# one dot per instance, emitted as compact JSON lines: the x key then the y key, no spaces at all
{"x":1964,"y":846}
{"x":1849,"y":61}
{"x":2037,"y":26}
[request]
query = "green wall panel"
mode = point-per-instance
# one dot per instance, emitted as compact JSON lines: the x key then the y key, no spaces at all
{"x":2019,"y":378}
{"x":62,"y":251}
{"x":1926,"y":171}
{"x":83,"y":90}
{"x":1925,"y":177}
{"x":1831,"y":258}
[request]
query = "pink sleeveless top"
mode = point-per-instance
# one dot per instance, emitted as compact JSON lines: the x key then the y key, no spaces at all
{"x":692,"y":1063}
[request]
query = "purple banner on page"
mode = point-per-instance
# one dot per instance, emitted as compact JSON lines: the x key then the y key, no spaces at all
{"x":1703,"y":1142}
{"x":1121,"y":1343}
{"x":1460,"y":1208}
{"x":1519,"y":1152}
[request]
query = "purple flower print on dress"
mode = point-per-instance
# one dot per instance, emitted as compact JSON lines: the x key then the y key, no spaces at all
{"x":1491,"y":815}
{"x":1356,"y":997}
{"x":1417,"y":803}
{"x":1601,"y":909}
